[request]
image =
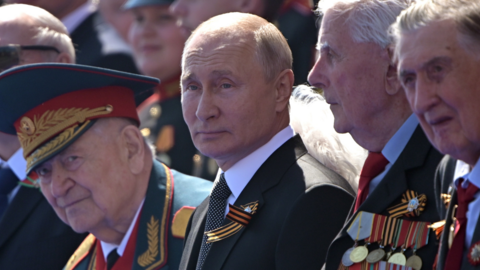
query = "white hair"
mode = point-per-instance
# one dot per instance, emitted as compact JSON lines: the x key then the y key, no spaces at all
{"x":465,"y":14}
{"x":311,"y":117}
{"x":368,"y":20}
{"x":50,"y":31}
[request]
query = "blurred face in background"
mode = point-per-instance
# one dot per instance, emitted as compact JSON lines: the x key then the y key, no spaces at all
{"x":156,"y":41}
{"x":115,"y":15}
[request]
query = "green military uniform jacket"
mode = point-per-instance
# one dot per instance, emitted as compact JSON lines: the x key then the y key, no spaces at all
{"x":171,"y":198}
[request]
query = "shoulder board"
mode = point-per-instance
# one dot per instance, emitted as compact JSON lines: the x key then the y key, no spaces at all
{"x":81,"y":252}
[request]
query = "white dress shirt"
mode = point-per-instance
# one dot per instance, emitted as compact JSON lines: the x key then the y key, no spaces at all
{"x":18,"y":165}
{"x":394,"y":148}
{"x":462,"y":170}
{"x":240,"y":173}
{"x":107,"y":248}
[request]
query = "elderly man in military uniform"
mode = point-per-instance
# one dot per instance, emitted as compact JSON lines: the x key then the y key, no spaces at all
{"x":78,"y":127}
{"x":438,"y":55}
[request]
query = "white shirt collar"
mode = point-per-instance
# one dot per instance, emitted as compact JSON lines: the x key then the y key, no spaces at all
{"x":18,"y":164}
{"x":463,"y":170}
{"x":107,"y":247}
{"x":240,"y":173}
{"x":397,"y":143}
{"x":75,"y":18}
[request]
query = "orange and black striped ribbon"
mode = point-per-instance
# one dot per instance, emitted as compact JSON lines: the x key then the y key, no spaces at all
{"x":402,"y":208}
{"x":239,"y":217}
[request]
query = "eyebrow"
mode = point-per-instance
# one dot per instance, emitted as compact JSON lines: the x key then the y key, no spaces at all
{"x":405,"y":72}
{"x":322,"y":46}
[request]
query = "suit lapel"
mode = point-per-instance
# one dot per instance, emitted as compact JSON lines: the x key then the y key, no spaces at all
{"x":18,"y":210}
{"x":267,"y":176}
{"x":194,"y":238}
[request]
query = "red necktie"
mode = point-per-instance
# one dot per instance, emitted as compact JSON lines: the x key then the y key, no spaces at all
{"x":374,"y":165}
{"x":455,"y":254}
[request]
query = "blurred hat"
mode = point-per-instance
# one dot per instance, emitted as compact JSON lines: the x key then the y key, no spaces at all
{"x":49,"y":106}
{"x":140,"y":3}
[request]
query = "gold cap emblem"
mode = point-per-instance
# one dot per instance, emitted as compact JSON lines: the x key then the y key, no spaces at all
{"x":27,"y":126}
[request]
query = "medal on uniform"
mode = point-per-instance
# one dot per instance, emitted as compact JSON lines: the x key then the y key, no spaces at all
{"x":400,"y":234}
{"x":412,"y":205}
{"x":359,"y":229}
{"x":346,"y":257}
{"x":474,"y":254}
{"x":378,"y":227}
{"x":419,"y":238}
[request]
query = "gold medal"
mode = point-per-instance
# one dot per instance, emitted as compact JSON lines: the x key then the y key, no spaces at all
{"x":359,"y":254}
{"x":376,"y":255}
{"x":346,"y":257}
{"x":414,"y":262}
{"x":398,"y":258}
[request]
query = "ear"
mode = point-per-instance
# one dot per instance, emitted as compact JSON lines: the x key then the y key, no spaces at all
{"x":283,"y":89}
{"x":392,"y":84}
{"x":250,"y":6}
{"x":64,"y":58}
{"x":135,"y":146}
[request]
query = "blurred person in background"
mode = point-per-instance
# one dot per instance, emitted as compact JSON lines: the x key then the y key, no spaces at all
{"x":28,"y":35}
{"x":95,"y":45}
{"x":157,"y":45}
{"x":294,"y":18}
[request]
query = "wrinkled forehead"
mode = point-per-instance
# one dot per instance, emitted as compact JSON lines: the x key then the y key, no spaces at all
{"x":210,"y":46}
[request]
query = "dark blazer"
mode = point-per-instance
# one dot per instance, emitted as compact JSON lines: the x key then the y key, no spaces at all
{"x":302,"y":206}
{"x":32,"y":236}
{"x":88,"y":48}
{"x":414,"y":170}
{"x":444,"y":179}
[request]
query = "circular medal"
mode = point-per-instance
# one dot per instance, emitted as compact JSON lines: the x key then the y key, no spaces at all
{"x":359,"y":254}
{"x":398,"y":258}
{"x":376,"y":255}
{"x":414,"y":262}
{"x":346,"y":257}
{"x":474,"y":254}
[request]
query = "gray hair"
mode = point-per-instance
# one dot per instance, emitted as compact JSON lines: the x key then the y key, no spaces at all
{"x":272,"y":50}
{"x":368,"y":20}
{"x":465,"y":14}
{"x":49,"y":30}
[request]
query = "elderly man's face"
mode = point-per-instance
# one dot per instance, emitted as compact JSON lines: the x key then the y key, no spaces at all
{"x":352,"y":76}
{"x":88,"y":183}
{"x":191,"y":13}
{"x":229,"y":107}
{"x":442,"y":84}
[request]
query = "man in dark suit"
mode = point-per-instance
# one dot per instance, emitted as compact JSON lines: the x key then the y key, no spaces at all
{"x":437,"y":49}
{"x":27,"y":222}
{"x":359,"y":80}
{"x":273,"y":206}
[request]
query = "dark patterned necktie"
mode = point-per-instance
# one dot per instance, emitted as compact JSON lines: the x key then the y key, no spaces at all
{"x":112,"y":259}
{"x":8,"y":181}
{"x":215,"y":215}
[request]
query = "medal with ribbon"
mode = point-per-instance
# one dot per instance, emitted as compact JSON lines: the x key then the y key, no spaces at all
{"x":359,"y":229}
{"x":401,"y":232}
{"x":376,"y":237}
{"x":417,"y":238}
{"x":412,"y":205}
{"x":239,"y":217}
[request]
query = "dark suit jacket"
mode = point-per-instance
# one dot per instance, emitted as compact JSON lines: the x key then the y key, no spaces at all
{"x":414,"y":170}
{"x":444,"y":179}
{"x":88,"y":48}
{"x":32,"y":236}
{"x":302,"y":206}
